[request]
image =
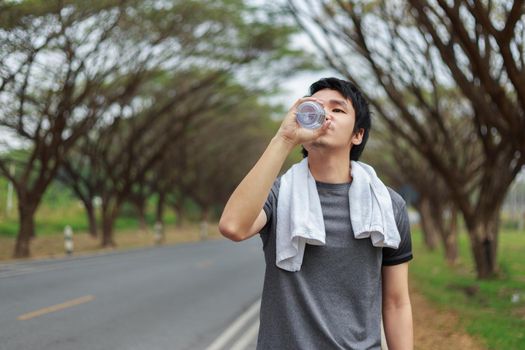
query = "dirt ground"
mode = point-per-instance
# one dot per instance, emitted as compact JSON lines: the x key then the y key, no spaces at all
{"x":53,"y":245}
{"x":434,"y":329}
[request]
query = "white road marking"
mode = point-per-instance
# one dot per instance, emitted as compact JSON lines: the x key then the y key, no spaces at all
{"x":247,"y":338}
{"x":234,"y":328}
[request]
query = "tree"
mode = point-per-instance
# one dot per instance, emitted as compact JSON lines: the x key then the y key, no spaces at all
{"x":67,"y":67}
{"x":482,"y":45}
{"x":48,"y":76}
{"x":411,"y":175}
{"x":219,"y":153}
{"x":75,"y":174}
{"x":416,"y":53}
{"x":125,"y":151}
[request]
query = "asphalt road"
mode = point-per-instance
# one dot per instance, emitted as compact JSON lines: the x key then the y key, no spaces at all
{"x":190,"y":296}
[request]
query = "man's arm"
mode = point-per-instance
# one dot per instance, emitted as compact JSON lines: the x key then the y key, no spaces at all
{"x":397,"y":311}
{"x":243,"y":216}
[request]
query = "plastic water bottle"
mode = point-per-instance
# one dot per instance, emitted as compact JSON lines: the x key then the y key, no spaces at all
{"x":310,"y":115}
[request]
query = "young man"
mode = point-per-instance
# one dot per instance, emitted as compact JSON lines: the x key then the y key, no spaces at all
{"x":336,"y":299}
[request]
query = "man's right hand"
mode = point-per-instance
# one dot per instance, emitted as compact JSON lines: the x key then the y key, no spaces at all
{"x":291,"y":132}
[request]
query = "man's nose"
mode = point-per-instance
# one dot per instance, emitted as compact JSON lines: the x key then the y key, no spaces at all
{"x":327,"y":113}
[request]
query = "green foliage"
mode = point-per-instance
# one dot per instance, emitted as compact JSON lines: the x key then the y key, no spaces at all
{"x":60,"y":208}
{"x":485,"y":307}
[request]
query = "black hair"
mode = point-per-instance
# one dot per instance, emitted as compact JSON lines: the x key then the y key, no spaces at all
{"x":359,"y":103}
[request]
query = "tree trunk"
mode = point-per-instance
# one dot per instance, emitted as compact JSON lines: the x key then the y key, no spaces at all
{"x":435,"y":227}
{"x":450,"y":238}
{"x":109,"y":214}
{"x":107,"y":231}
{"x":484,"y":244}
{"x":159,"y":212}
{"x":428,"y":227}
{"x":26,"y":231}
{"x":92,"y":219}
{"x":179,"y":213}
{"x":450,"y":243}
{"x":140,"y":205}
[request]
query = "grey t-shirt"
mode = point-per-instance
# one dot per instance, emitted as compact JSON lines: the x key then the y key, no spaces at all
{"x":334,"y":301}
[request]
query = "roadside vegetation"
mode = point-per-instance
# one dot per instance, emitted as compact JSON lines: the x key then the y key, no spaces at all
{"x":59,"y":208}
{"x":491,"y":310}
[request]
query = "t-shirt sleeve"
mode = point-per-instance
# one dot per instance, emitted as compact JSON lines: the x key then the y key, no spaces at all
{"x":270,"y":206}
{"x":404,"y":252}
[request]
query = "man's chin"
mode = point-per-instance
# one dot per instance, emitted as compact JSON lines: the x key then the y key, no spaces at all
{"x":319,"y":143}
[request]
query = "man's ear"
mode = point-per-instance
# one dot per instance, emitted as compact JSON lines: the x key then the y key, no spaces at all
{"x":357,"y":137}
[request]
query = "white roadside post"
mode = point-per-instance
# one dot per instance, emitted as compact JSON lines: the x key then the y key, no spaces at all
{"x":68,"y":240}
{"x":159,"y":233}
{"x":204,"y":230}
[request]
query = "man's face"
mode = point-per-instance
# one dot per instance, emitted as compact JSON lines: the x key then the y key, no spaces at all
{"x":340,"y":112}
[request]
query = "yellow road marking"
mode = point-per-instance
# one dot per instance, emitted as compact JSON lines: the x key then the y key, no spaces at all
{"x":58,"y":307}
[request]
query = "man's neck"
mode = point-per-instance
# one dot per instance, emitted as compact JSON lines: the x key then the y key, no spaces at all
{"x":332,"y":168}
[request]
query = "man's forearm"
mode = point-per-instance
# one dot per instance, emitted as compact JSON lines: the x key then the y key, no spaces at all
{"x":248,"y":199}
{"x":397,"y":321}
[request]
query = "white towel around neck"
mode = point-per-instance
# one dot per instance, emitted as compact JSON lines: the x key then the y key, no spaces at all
{"x":300,"y":218}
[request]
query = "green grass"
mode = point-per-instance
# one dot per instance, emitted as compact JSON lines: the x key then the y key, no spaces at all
{"x":49,"y":222}
{"x":60,"y":208}
{"x":489,"y":314}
